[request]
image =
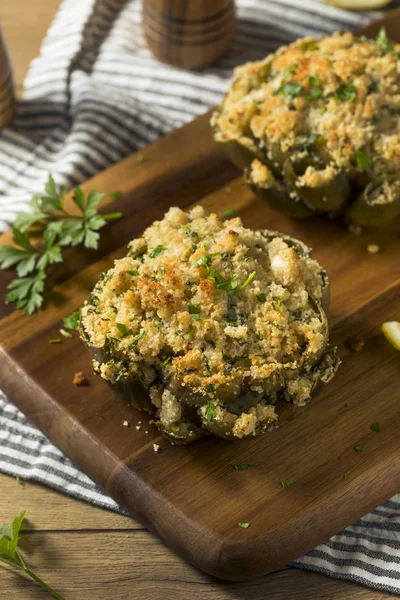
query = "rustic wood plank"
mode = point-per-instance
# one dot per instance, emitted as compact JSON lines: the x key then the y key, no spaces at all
{"x":66,"y":513}
{"x":135,"y":565}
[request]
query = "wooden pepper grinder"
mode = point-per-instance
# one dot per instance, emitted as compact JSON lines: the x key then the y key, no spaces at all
{"x":189,"y":33}
{"x":7,"y":96}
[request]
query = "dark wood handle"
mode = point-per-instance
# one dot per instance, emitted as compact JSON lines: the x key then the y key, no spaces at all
{"x":189,"y":33}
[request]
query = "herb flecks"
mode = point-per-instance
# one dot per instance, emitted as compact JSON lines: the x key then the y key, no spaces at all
{"x":228,"y":213}
{"x":123,"y":329}
{"x":288,"y":482}
{"x":346,"y":92}
{"x":376,"y":427}
{"x":248,"y":281}
{"x":53,"y":228}
{"x":157,"y":250}
{"x":347,"y":474}
{"x":363,"y":160}
{"x":72,"y":321}
{"x":210,"y":411}
{"x":359,"y":448}
{"x":244,"y":525}
{"x":292,"y":90}
{"x":241,"y":467}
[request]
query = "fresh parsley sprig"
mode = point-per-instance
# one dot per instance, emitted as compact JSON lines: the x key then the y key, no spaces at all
{"x":51,"y":227}
{"x":11,"y":556}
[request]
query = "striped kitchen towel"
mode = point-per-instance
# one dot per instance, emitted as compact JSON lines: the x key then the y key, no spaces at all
{"x":94,"y":95}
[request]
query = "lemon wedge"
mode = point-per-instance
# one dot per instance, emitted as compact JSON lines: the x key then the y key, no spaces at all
{"x":359,"y":4}
{"x":391,"y":331}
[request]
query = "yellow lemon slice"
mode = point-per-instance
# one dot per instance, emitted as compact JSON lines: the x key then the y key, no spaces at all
{"x":359,"y":4}
{"x":391,"y":331}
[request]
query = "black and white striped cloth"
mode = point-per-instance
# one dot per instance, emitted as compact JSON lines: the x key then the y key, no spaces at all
{"x":94,"y":95}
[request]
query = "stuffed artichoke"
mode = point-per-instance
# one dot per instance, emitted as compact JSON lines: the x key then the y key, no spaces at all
{"x":205,"y":325}
{"x":316,"y":126}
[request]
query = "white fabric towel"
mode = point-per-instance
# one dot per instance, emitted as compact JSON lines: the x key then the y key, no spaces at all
{"x":94,"y":95}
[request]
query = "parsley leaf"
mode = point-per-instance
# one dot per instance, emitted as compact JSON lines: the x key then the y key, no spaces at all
{"x":384,"y":43}
{"x":288,"y":482}
{"x":53,"y":228}
{"x":346,"y":92}
{"x":376,"y":427}
{"x":244,"y":525}
{"x":11,"y":556}
{"x":347,"y":474}
{"x":210,"y":411}
{"x":363,"y":160}
{"x":229,"y":212}
{"x":72,"y":320}
{"x":124,"y":331}
{"x":261,"y":297}
{"x":157,"y":250}
{"x":248,"y":281}
{"x":135,"y":342}
{"x":359,"y":448}
{"x":292,"y":90}
{"x":194,"y":310}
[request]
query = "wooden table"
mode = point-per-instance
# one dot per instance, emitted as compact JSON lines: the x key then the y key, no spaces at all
{"x":92,"y":554}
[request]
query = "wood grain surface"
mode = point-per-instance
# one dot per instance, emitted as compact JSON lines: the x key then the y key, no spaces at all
{"x":151,"y":571}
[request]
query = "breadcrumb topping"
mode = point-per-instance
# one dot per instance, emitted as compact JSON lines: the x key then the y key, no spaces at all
{"x":339,"y":94}
{"x":207,"y":311}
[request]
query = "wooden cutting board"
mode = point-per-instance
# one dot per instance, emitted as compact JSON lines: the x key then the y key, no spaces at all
{"x":190,"y":496}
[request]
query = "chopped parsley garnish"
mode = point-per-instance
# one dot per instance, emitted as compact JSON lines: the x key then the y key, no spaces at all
{"x":157,"y":250}
{"x":99,"y":416}
{"x":288,"y":482}
{"x":314,"y":94}
{"x":347,"y":474}
{"x":135,"y":342}
{"x":289,"y":71}
{"x":292,"y":90}
{"x":72,"y":320}
{"x":65,"y":333}
{"x":229,"y":285}
{"x":248,"y":281}
{"x":225,"y":256}
{"x":291,"y":417}
{"x":359,"y":448}
{"x":113,"y":309}
{"x":210,"y":388}
{"x":261,"y":297}
{"x":346,"y":92}
{"x":229,"y":212}
{"x":166,"y":361}
{"x":205,"y":260}
{"x":134,"y":273}
{"x":244,"y":525}
{"x":278,"y":304}
{"x":314,"y":81}
{"x":194,"y":310}
{"x":124,"y":331}
{"x":241,"y":467}
{"x":210,"y":411}
{"x":376,"y":427}
{"x":140,"y":158}
{"x":55,"y":341}
{"x":384,"y":43}
{"x":115,"y":195}
{"x":363,"y":160}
